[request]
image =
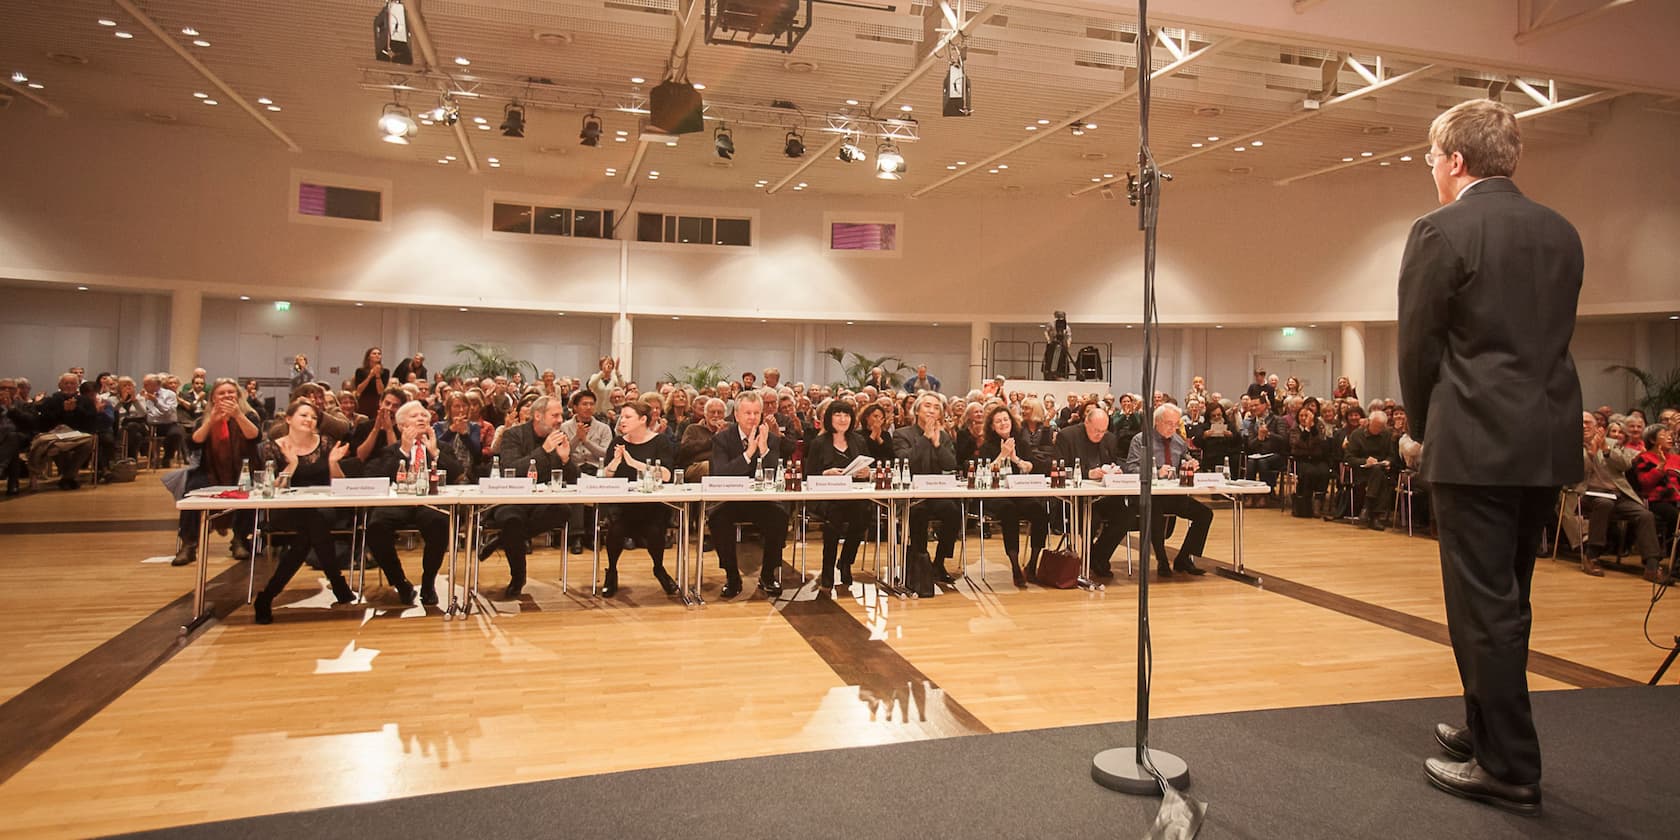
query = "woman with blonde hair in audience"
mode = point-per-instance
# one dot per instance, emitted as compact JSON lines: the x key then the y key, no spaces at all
{"x":307,"y":458}
{"x":457,"y":433}
{"x":970,"y":433}
{"x":225,"y":440}
{"x":475,"y":414}
{"x":347,"y":407}
{"x":680,"y":415}
{"x":1292,"y":387}
{"x":1041,"y":439}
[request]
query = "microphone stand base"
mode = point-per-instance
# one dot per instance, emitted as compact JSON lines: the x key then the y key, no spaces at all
{"x":1117,"y":769}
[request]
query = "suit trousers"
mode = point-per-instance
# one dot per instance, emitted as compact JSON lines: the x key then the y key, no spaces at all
{"x":1199,"y":517}
{"x":950,"y":517}
{"x":518,"y":523}
{"x":770,"y":518}
{"x":1117,"y":516}
{"x":1599,"y":512}
{"x":382,"y":527}
{"x":1489,"y":537}
{"x":1379,"y":489}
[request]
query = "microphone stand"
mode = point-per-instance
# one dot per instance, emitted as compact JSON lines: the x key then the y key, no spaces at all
{"x":1139,"y":769}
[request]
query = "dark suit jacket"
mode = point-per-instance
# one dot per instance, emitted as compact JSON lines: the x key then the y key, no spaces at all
{"x":729,"y":453}
{"x":925,"y":459}
{"x":1488,"y":289}
{"x":521,"y":446}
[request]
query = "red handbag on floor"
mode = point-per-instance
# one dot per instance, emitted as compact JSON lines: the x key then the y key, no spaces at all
{"x":1058,"y":568}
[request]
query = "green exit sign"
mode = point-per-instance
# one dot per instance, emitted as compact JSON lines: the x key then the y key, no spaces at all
{"x":282,"y":306}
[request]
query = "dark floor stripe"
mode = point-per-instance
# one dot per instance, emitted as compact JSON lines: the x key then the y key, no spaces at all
{"x":85,"y":526}
{"x":1544,"y":664}
{"x":43,"y":714}
{"x":872,"y":665}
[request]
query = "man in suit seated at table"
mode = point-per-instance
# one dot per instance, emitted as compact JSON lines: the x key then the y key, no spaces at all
{"x":413,"y":422}
{"x":543,"y":443}
{"x":1096,"y":450}
{"x":742,"y":448}
{"x":1171,"y":453}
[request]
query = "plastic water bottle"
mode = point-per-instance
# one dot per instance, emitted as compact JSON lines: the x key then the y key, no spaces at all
{"x":245,"y":476}
{"x":495,"y":466}
{"x":1078,"y":473}
{"x":268,"y":479}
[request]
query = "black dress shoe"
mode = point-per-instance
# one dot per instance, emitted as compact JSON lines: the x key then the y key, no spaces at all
{"x":846,"y":575}
{"x":1189,"y":568}
{"x":1467,"y":779}
{"x":489,"y":548}
{"x":665,"y":581}
{"x":770,"y":586}
{"x":186,"y":556}
{"x":514,"y":588}
{"x":428,"y":596}
{"x":1455,"y":742}
{"x":405,"y":592}
{"x":941,"y":575}
{"x":576,"y":547}
{"x":609,"y":584}
{"x":263,"y":606}
{"x":731,"y":588}
{"x":1163,"y":571}
{"x":342,"y":593}
{"x":238,"y":550}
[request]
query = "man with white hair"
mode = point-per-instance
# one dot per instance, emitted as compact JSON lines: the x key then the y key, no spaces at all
{"x":416,"y":449}
{"x":1374,"y":455}
{"x":161,"y":405}
{"x":743,"y":447}
{"x":1171,"y":452}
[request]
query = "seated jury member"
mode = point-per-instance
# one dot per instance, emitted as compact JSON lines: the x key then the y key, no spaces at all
{"x":636,"y":449}
{"x":308,"y":459}
{"x":1172,"y":452}
{"x":540,"y":442}
{"x":929,"y":450}
{"x":1097,"y":451}
{"x":417,"y":448}
{"x":829,"y":453}
{"x":225,"y":439}
{"x":742,"y":448}
{"x":1006,"y":444}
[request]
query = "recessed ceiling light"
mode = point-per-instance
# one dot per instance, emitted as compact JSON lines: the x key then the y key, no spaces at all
{"x":676,"y":317}
{"x":802,"y":184}
{"x":211,"y":102}
{"x":622,"y":133}
{"x":936,"y":323}
{"x":906,"y":108}
{"x":611,"y":171}
{"x":463,"y":309}
{"x":359,"y":303}
{"x":992,"y":171}
{"x":1032,"y":128}
{"x":495,"y":166}
{"x":951,"y":166}
{"x":653,"y":172}
{"x":1674,"y":317}
{"x":621,"y":139}
{"x":37,"y":86}
{"x":1096,"y":180}
{"x":653,"y":177}
{"x":670,"y":144}
{"x":263,"y":100}
{"x":201,"y":95}
{"x":480,"y":120}
{"x":1043,"y":122}
{"x":1364,"y":154}
{"x":1384,"y":163}
{"x":1347,"y":160}
{"x":1258,"y":143}
{"x":1314,"y":326}
{"x":123,"y":35}
{"x":200,"y":42}
{"x":1196,"y":145}
{"x":851,"y":102}
{"x":1090,"y":126}
{"x":1405,"y":158}
{"x":483,"y":127}
{"x":81,"y":288}
{"x":494,"y":160}
{"x":274,"y":107}
{"x":244,"y":297}
{"x":962,"y":163}
{"x":637,"y":80}
{"x":1239,"y":148}
{"x":449,"y":157}
{"x":1213,"y":139}
{"x":698,"y":86}
{"x":19,"y":77}
{"x":426,"y":121}
{"x":1003,"y":166}
{"x":1108,"y":174}
{"x":1219,"y":326}
{"x":463,"y":61}
{"x":443,"y":162}
{"x":107,"y":22}
{"x":560,"y":313}
{"x":189,"y":32}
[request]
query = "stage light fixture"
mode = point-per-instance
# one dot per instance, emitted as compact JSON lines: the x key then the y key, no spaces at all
{"x":889,"y":163}
{"x":794,"y":147}
{"x":397,"y":124}
{"x":957,"y":90}
{"x":390,"y":34}
{"x":850,"y":151}
{"x":447,"y":112}
{"x":723,"y":142}
{"x":513,"y":120}
{"x":590,"y":134}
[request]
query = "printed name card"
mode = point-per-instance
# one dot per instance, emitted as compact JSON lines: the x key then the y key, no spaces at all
{"x":1030,"y":481}
{"x":934,"y":482}
{"x":505,"y":486}
{"x":829,"y":482}
{"x":598,"y":484}
{"x":361,"y":488}
{"x":726,"y":483}
{"x":1206,"y":479}
{"x":1124,"y":481}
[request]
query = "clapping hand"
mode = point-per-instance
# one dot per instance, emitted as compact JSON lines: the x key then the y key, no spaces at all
{"x":337,"y":454}
{"x":1007,"y":450}
{"x":288,"y":450}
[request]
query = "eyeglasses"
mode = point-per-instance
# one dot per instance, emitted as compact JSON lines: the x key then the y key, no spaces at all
{"x":1432,"y":158}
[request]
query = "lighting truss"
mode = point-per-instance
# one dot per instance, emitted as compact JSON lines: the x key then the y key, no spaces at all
{"x":758,"y":24}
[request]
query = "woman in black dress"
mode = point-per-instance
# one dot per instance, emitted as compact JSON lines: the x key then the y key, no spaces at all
{"x":635,"y":449}
{"x":830,"y":452}
{"x":1005,"y":444}
{"x":1314,"y":450}
{"x":369,"y":382}
{"x":877,"y":432}
{"x":1217,"y":438}
{"x":308,"y":459}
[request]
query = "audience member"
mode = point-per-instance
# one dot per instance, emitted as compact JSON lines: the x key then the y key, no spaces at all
{"x":539,"y":444}
{"x":370,"y":381}
{"x":1605,"y":495}
{"x":832,"y":450}
{"x":1171,"y":453}
{"x":743,"y":448}
{"x":1004,"y":445}
{"x":637,"y":449}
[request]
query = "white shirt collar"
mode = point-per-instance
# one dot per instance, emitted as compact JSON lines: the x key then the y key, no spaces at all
{"x":1474,"y":183}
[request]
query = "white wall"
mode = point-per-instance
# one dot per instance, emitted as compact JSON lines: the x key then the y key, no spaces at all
{"x":46,"y":331}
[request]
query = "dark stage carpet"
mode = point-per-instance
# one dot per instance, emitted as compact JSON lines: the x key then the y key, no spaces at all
{"x":1612,"y":764}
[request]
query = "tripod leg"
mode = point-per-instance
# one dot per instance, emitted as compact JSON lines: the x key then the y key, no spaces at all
{"x":1672,"y":653}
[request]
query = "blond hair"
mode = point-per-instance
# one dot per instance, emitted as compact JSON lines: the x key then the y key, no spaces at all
{"x":1484,"y":133}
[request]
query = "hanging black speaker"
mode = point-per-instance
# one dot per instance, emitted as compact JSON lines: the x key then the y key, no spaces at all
{"x":676,"y":108}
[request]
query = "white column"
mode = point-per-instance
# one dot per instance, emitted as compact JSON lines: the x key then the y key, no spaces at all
{"x":1353,"y":358}
{"x":404,"y":337}
{"x":186,"y":309}
{"x":622,"y":345}
{"x":979,"y":344}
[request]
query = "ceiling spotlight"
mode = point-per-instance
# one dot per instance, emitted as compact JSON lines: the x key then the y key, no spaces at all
{"x":723,"y":143}
{"x":513,"y":120}
{"x":463,"y":61}
{"x":794,"y":146}
{"x":590,"y":134}
{"x":889,"y":163}
{"x":851,"y":102}
{"x":447,"y":112}
{"x":397,"y":124}
{"x":37,"y":86}
{"x":1078,"y":130}
{"x":263,"y":100}
{"x":1405,"y":158}
{"x":850,"y":152}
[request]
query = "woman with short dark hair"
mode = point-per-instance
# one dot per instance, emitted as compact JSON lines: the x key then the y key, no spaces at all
{"x":635,"y":450}
{"x":836,"y":446}
{"x":1005,"y":445}
{"x":308,"y":459}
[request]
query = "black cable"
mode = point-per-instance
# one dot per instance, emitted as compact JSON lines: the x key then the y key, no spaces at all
{"x":626,"y":212}
{"x":1657,"y":595}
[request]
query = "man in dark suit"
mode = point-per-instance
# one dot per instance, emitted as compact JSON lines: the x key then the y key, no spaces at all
{"x":738,"y":452}
{"x":1171,"y":453}
{"x":542,"y":443}
{"x":1488,"y":289}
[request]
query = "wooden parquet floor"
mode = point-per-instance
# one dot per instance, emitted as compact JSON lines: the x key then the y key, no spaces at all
{"x":340,"y":705}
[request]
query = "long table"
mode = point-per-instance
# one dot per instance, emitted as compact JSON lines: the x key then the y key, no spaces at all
{"x":467,"y":503}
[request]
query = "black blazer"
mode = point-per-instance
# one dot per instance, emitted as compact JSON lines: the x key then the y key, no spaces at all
{"x":990,"y":449}
{"x":925,"y":458}
{"x":729,"y":453}
{"x":1488,"y":289}
{"x":821,"y":455}
{"x":521,"y":447}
